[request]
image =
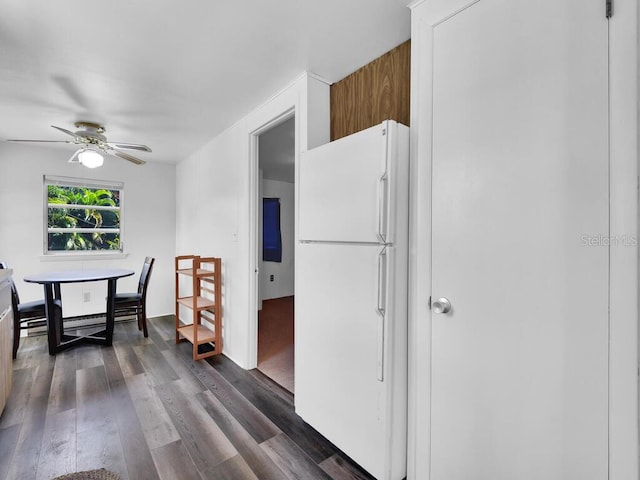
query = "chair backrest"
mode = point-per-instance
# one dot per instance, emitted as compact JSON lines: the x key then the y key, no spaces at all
{"x":145,"y":274}
{"x":15,"y":298}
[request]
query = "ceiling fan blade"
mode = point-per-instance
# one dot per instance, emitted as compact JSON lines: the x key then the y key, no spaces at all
{"x":128,"y":157}
{"x":69,"y":132}
{"x":40,"y":141}
{"x":132,"y":146}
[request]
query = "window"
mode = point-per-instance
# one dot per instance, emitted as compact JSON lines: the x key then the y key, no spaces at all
{"x":82,"y":215}
{"x":271,"y":237}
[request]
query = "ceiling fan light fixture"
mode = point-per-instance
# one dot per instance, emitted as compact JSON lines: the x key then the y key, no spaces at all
{"x":90,"y":158}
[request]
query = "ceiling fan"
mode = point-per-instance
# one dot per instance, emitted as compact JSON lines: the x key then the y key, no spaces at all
{"x":93,"y":143}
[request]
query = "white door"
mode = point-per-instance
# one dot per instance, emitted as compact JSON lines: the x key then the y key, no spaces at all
{"x":520,"y":232}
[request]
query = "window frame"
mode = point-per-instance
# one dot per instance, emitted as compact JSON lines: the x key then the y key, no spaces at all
{"x":87,"y":183}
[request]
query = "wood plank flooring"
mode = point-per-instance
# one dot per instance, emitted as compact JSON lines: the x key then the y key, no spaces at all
{"x":145,"y":410}
{"x":275,"y":341}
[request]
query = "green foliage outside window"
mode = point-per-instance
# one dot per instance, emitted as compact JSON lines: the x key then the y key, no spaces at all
{"x":83,"y":218}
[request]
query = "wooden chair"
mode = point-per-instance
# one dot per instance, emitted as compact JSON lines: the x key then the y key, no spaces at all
{"x":135,"y":303}
{"x":25,"y":314}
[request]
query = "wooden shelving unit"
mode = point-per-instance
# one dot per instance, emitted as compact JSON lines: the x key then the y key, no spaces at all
{"x":204,"y":302}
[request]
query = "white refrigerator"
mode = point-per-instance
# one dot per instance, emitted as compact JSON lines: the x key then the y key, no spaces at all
{"x":351,"y":296}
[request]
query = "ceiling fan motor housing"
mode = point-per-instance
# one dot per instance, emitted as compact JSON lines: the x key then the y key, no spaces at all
{"x":90,"y":126}
{"x":92,"y":133}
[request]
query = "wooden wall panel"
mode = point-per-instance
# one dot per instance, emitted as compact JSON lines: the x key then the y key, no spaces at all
{"x":376,"y":92}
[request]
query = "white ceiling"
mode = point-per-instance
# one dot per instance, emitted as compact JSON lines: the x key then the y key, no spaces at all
{"x":170,"y":74}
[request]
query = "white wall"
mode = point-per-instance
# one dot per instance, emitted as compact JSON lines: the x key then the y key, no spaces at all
{"x":149,"y":225}
{"x":283,"y":272}
{"x":215,"y":214}
{"x":209,"y":189}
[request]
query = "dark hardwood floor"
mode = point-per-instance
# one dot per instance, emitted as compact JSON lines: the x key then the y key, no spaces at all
{"x":145,"y":410}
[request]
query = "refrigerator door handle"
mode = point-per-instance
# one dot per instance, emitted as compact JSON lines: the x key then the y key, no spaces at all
{"x":381,"y":309}
{"x":382,"y":208}
{"x":382,"y":281}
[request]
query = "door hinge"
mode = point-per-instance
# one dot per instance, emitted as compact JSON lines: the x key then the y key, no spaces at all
{"x":609,"y":8}
{"x":429,"y":302}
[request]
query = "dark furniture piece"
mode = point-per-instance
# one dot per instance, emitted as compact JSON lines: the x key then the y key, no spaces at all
{"x":134,"y":303}
{"x":26,"y":314}
{"x":51,"y":281}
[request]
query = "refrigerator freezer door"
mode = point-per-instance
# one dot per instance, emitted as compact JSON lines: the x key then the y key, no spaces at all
{"x":344,"y":188}
{"x":344,"y":346}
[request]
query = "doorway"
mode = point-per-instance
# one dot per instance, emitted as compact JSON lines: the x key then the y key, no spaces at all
{"x":276,"y":260}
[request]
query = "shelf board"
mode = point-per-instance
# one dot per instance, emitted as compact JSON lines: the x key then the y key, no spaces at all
{"x":204,"y":334}
{"x":200,"y":272}
{"x":202,"y":303}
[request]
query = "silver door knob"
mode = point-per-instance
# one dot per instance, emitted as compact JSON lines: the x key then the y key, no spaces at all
{"x":442,"y":305}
